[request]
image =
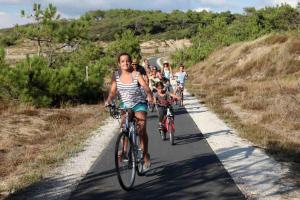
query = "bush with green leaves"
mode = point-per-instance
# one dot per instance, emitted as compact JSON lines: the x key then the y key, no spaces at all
{"x":32,"y":81}
{"x":125,"y":42}
{"x":76,"y":76}
{"x":28,"y":81}
{"x":8,"y":40}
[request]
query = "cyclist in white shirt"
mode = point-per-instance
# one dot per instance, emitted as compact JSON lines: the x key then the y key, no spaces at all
{"x":181,"y":77}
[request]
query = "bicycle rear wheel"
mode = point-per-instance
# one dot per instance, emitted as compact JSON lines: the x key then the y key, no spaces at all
{"x":125,"y":161}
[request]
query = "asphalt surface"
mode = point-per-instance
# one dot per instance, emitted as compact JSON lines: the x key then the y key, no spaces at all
{"x":187,"y":170}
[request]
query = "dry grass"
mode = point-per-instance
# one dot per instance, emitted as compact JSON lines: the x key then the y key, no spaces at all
{"x":32,"y":141}
{"x":261,"y":82}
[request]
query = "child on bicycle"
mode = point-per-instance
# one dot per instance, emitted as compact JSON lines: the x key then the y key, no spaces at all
{"x":181,"y":77}
{"x":162,"y":99}
{"x":154,"y":78}
{"x":127,"y":83}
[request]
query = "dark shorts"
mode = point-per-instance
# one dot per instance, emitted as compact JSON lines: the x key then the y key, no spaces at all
{"x":162,"y":112}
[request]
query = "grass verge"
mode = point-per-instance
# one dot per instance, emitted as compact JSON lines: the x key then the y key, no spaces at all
{"x":255,"y":87}
{"x":34,"y":141}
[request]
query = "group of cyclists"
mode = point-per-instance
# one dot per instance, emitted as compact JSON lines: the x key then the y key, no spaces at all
{"x":138,"y":86}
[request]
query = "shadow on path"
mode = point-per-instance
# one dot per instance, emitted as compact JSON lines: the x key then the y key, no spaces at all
{"x":178,"y":180}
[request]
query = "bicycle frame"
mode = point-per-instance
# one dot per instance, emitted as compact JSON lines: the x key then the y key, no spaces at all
{"x":130,"y":129}
{"x":169,"y":117}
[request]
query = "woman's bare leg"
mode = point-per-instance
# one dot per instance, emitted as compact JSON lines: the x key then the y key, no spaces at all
{"x":142,"y":131}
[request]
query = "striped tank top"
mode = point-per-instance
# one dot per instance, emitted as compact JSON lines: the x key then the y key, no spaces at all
{"x":130,"y":94}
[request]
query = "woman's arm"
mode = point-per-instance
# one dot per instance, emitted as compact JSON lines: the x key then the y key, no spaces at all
{"x":113,"y":90}
{"x":146,"y":88}
{"x":146,"y":79}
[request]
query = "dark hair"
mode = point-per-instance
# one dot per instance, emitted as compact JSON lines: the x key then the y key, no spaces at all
{"x":181,"y":65}
{"x":124,"y":54}
{"x":159,"y":84}
{"x":153,"y":67}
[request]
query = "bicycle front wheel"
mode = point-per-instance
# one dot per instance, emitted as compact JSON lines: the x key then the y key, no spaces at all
{"x":125,"y":161}
{"x":171,"y":131}
{"x":181,"y":96}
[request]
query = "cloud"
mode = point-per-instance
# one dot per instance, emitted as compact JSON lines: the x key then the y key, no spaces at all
{"x":290,"y":2}
{"x":10,"y":20}
{"x":10,"y":1}
{"x":214,"y":2}
{"x":201,"y":9}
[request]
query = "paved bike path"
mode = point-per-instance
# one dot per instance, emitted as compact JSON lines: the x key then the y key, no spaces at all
{"x":187,"y":170}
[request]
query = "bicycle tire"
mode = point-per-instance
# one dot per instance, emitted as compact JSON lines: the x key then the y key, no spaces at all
{"x":170,"y":131}
{"x":177,"y":102}
{"x":131,"y":161}
{"x":181,"y":101}
{"x":162,"y":134}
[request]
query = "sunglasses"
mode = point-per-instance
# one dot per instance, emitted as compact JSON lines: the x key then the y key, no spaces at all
{"x":133,"y":64}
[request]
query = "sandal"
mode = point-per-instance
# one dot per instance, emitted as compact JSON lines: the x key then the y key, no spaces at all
{"x":147,"y":165}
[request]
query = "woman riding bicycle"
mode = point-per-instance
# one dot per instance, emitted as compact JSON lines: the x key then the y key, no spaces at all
{"x":127,"y":83}
{"x":167,"y":75}
{"x":166,"y":70}
{"x":162,"y":98}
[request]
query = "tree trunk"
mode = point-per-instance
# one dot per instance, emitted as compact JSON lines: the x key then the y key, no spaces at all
{"x":39,"y":47}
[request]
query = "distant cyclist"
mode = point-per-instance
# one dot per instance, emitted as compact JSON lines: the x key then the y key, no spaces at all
{"x":166,"y":70}
{"x":140,"y":69}
{"x":181,"y":76}
{"x":167,"y":75}
{"x":127,"y":83}
{"x":154,"y":78}
{"x":147,"y":66}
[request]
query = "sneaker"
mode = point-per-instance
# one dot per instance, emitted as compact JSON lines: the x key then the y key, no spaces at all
{"x":147,"y":165}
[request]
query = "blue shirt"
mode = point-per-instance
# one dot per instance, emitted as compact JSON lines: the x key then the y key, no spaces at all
{"x":181,"y":77}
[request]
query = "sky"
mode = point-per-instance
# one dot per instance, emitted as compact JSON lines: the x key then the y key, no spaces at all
{"x":10,"y":9}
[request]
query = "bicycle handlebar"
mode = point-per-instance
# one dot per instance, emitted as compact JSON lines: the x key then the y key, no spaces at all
{"x":114,"y":111}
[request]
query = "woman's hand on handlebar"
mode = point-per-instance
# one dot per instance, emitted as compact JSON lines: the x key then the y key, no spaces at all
{"x":150,"y":99}
{"x":107,"y":103}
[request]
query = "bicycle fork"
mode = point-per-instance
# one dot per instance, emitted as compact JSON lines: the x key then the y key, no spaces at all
{"x":133,"y":135}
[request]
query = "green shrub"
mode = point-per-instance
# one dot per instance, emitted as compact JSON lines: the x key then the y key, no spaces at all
{"x":125,"y":42}
{"x":8,"y":40}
